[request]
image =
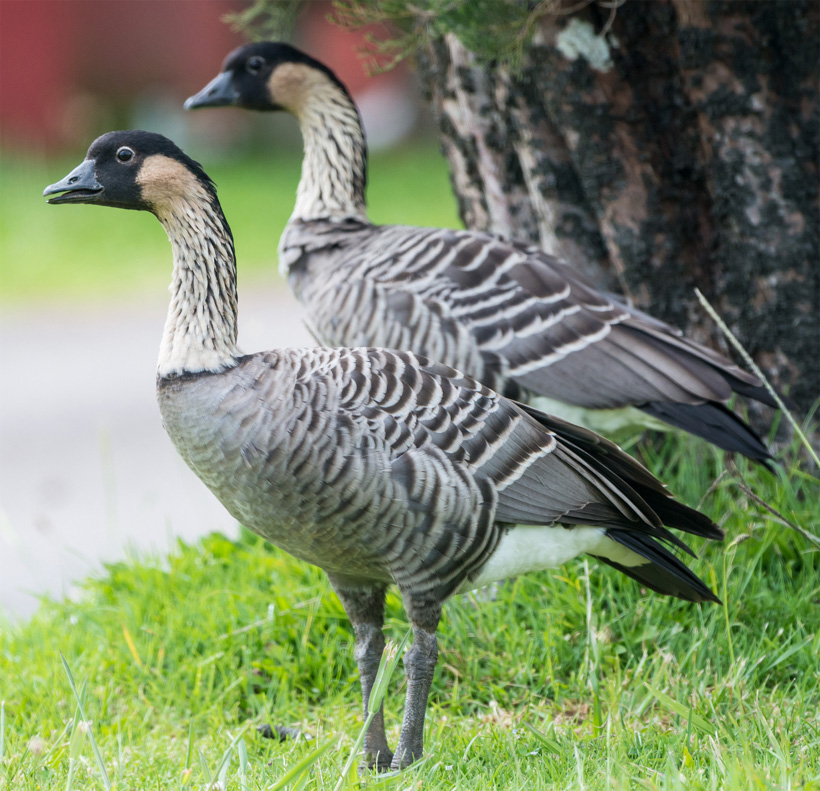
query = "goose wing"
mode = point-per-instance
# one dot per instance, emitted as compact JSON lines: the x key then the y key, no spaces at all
{"x":382,"y":465}
{"x":518,"y":318}
{"x":563,"y":338}
{"x":469,"y":461}
{"x":551,"y":330}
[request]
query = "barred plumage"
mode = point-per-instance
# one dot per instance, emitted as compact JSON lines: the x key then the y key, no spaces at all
{"x":379,"y":466}
{"x":511,"y":315}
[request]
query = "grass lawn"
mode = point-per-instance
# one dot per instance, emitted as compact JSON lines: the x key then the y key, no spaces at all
{"x":126,"y":252}
{"x":567,"y":680}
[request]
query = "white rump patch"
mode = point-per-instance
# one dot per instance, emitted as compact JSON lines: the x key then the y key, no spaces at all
{"x":524,"y":549}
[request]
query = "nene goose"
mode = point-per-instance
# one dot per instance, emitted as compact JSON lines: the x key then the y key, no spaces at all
{"x":512,"y":316}
{"x":378,"y":466}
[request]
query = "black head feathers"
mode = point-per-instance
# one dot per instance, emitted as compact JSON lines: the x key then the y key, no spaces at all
{"x":133,"y":169}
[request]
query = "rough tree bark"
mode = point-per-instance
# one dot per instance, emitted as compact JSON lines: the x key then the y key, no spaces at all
{"x":678,"y":150}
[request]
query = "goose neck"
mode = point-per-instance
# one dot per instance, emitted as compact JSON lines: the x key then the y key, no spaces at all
{"x":334,"y":169}
{"x":201,"y":325}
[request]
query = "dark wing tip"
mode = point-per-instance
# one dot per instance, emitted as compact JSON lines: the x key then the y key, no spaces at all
{"x":613,"y":463}
{"x":663,"y":572}
{"x":715,"y":423}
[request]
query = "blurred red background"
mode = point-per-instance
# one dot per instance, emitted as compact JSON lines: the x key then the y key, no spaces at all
{"x":71,"y":68}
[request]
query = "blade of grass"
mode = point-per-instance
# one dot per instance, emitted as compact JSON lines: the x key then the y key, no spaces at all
{"x":302,"y":782}
{"x":740,"y":482}
{"x":57,"y":744}
{"x":703,"y":725}
{"x":73,"y":749}
{"x":222,"y":769}
{"x":206,"y":772}
{"x":129,"y":641}
{"x":90,"y":732}
{"x":243,"y":765}
{"x":301,"y":767}
{"x":788,"y":653}
{"x":390,"y":657}
{"x":756,"y":369}
{"x":551,"y":744}
{"x":189,"y":753}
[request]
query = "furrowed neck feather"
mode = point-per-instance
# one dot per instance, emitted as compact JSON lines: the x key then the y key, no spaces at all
{"x":201,"y":326}
{"x":334,"y":169}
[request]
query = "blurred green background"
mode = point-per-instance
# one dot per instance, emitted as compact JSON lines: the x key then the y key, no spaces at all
{"x":84,"y":74}
{"x":75,"y":251}
{"x":85,"y":467}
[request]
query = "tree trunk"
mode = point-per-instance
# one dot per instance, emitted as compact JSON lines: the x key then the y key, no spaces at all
{"x":678,"y":150}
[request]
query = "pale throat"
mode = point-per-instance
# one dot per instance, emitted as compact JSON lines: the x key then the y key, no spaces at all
{"x":335,"y":160}
{"x":201,"y":325}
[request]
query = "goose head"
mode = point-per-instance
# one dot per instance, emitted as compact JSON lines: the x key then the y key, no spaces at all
{"x":268,"y":75}
{"x":133,"y":170}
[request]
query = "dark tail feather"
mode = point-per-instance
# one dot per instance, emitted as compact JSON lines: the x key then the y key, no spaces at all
{"x":715,"y":423}
{"x":675,"y":514}
{"x":742,"y":382}
{"x":760,"y":393}
{"x":664,"y":573}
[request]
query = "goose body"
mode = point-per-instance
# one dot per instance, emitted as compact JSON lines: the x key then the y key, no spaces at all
{"x":379,"y":466}
{"x":516,"y":318}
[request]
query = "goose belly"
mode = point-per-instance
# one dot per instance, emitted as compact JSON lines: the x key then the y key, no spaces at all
{"x":524,"y":548}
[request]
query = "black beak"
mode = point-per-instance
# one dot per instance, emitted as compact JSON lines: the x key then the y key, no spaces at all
{"x":219,"y":92}
{"x":79,"y":186}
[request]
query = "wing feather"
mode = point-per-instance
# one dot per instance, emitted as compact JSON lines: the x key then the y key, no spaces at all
{"x":516,"y":317}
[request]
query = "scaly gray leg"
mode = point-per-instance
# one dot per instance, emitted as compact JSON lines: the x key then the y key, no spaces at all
{"x":419,"y":667}
{"x":365,"y":608}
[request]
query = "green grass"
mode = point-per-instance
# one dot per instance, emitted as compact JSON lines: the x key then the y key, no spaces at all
{"x":568,"y":680}
{"x":70,"y":251}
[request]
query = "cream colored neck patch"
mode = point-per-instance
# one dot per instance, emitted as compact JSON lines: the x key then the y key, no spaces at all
{"x":167,"y":185}
{"x":293,"y":85}
{"x":200,"y":328}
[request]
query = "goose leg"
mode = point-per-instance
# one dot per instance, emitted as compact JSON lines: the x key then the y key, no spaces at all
{"x":365,"y":609}
{"x":419,"y":667}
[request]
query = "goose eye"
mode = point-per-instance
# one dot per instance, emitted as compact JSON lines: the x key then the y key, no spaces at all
{"x":125,"y":154}
{"x":255,"y":63}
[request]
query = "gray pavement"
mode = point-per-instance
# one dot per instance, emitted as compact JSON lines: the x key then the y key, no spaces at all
{"x":86,"y":471}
